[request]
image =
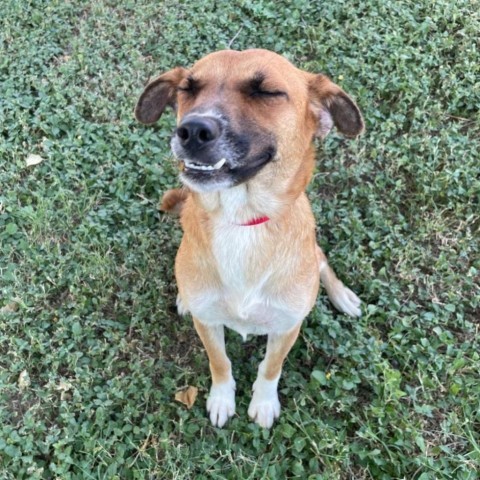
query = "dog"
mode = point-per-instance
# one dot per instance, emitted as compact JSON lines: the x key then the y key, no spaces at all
{"x":249,"y":259}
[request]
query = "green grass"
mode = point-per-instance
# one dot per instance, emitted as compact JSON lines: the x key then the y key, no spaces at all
{"x":91,"y":347}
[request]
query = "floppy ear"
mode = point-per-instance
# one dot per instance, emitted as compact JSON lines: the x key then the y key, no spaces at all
{"x":157,"y":95}
{"x":332,"y":106}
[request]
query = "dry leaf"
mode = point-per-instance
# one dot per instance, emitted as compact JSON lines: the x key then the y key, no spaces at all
{"x":33,"y":159}
{"x":24,"y":380}
{"x":9,"y":307}
{"x":64,"y":388}
{"x":187,"y":396}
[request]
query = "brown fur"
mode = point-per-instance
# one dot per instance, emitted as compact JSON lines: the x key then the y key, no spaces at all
{"x":173,"y":200}
{"x":282,"y":254}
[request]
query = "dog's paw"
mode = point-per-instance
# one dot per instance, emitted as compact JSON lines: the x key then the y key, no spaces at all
{"x":345,"y":300}
{"x":181,"y":309}
{"x":264,"y":412}
{"x":221,"y":403}
{"x":264,"y":407}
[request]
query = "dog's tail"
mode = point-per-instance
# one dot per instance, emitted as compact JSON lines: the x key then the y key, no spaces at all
{"x":343,"y":298}
{"x":173,"y":200}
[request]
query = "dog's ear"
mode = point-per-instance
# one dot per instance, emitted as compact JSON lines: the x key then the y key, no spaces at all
{"x":159,"y":93}
{"x":332,"y":106}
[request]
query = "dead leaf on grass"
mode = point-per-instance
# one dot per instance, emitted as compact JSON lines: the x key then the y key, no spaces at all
{"x":24,"y":380}
{"x":187,"y":396}
{"x":10,"y":307}
{"x":33,"y":159}
{"x":64,"y":387}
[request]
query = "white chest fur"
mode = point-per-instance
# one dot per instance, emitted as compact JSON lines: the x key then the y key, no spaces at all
{"x":246,"y":301}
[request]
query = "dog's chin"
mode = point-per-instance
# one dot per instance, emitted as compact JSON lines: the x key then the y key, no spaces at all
{"x":225,"y":177}
{"x":205,"y":185}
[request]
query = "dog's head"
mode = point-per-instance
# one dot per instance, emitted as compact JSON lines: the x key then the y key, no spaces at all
{"x":242,"y":114}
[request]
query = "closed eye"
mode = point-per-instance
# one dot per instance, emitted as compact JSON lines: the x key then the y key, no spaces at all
{"x":257,"y":87}
{"x":268,"y":93}
{"x":190,"y":85}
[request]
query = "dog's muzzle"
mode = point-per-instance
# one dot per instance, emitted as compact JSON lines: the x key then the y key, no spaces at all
{"x":213,"y":156}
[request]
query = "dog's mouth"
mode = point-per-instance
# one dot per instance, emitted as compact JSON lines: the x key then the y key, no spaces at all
{"x":224,"y":173}
{"x":191,"y":165}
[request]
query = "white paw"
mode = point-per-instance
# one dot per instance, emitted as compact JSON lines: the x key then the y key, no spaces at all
{"x":221,"y":403}
{"x":181,"y":309}
{"x":346,"y":301}
{"x":264,"y":407}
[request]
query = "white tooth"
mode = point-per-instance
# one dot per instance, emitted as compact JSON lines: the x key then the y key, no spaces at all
{"x":219,"y":164}
{"x":195,"y":166}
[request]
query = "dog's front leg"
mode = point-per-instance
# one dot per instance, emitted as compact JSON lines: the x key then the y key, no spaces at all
{"x":221,"y":400}
{"x":265,"y":407}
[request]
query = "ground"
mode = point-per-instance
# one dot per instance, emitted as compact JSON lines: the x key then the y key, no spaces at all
{"x":92,"y":350}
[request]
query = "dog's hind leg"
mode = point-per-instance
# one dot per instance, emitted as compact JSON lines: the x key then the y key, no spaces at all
{"x":173,"y":200}
{"x":343,"y":298}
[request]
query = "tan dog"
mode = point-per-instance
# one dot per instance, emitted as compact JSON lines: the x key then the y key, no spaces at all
{"x":249,"y":258}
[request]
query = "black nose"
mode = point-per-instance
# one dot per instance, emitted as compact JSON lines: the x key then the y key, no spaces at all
{"x":196,"y":132}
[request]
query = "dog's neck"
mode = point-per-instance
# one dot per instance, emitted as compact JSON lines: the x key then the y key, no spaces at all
{"x":242,"y":204}
{"x":266,"y":195}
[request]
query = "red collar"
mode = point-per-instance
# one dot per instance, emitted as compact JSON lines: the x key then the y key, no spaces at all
{"x":255,"y":221}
